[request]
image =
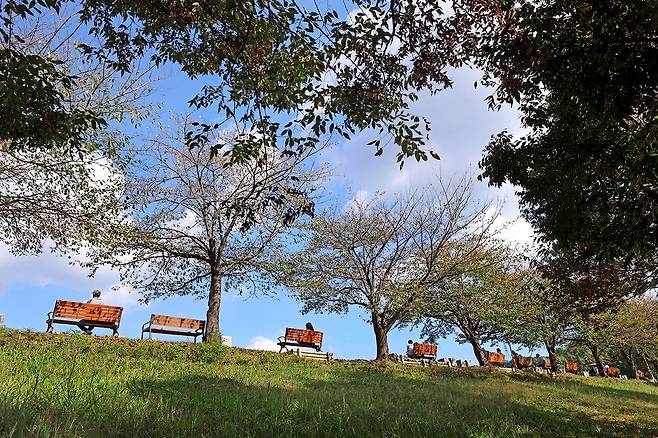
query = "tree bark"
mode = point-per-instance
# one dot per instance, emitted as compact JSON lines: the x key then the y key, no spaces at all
{"x":552,"y":353}
{"x":479,"y":352}
{"x":597,"y":359}
{"x":630,"y":360}
{"x":214,"y":303}
{"x":381,"y":338}
{"x":646,"y":363}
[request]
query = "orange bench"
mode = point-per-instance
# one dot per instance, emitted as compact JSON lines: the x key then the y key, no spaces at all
{"x":524,"y":362}
{"x":86,"y":314}
{"x":495,"y":358}
{"x":173,"y":325}
{"x":300,"y":338}
{"x":425,"y":351}
{"x":613,"y":372}
{"x":571,"y":367}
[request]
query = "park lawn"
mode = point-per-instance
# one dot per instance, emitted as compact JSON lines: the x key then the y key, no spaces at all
{"x":74,"y":385}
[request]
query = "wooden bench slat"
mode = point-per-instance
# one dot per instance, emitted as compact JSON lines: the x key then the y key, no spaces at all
{"x":86,"y":314}
{"x":173,"y":321}
{"x":303,"y":336}
{"x":174,"y":325}
{"x":421,"y":350}
{"x":496,"y":358}
{"x":87,"y":311}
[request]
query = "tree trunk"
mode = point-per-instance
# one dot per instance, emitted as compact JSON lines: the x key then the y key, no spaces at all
{"x":552,"y":353}
{"x":479,"y":352}
{"x":630,"y":360}
{"x":381,"y":338}
{"x":646,"y":363}
{"x":214,"y":303}
{"x":597,"y":359}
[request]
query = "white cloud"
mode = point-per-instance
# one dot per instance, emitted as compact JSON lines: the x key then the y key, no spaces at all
{"x":262,"y":343}
{"x":52,"y":271}
{"x":518,"y":231}
{"x":124,"y":296}
{"x":461,"y":127}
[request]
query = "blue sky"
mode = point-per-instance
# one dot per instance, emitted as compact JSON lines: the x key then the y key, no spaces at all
{"x":461,"y":126}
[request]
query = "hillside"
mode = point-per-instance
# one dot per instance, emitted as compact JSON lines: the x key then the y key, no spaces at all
{"x":75,"y":385}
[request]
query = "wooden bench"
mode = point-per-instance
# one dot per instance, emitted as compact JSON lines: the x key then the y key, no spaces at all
{"x":571,"y":367}
{"x":613,"y":372}
{"x":173,"y":325}
{"x":494,"y":358}
{"x":86,"y":314}
{"x":425,"y":351}
{"x":300,"y":338}
{"x":524,"y":362}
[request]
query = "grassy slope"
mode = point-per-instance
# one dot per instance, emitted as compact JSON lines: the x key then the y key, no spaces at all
{"x":74,"y":385}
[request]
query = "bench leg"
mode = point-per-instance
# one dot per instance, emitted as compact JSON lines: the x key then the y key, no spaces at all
{"x":115,"y":332}
{"x":50,"y":328}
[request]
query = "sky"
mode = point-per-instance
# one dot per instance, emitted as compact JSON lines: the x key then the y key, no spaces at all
{"x":461,"y":126}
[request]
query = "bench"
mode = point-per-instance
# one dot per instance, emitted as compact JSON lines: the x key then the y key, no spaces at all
{"x":571,"y":367}
{"x":547,"y":364}
{"x":86,"y":314}
{"x":300,"y":338}
{"x":425,"y":351}
{"x":613,"y":372}
{"x":494,"y":358}
{"x":524,"y":362}
{"x":173,"y":325}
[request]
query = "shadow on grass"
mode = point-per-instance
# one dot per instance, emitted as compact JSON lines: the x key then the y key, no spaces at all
{"x":359,"y":401}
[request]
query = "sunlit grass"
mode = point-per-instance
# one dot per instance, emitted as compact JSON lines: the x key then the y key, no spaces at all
{"x":75,"y":385}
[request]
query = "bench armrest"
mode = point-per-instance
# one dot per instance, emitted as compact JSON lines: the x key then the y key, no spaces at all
{"x":146,"y":324}
{"x":281,"y":339}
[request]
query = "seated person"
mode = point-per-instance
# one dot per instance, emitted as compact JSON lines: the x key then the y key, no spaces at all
{"x":95,"y":299}
{"x":410,"y":349}
{"x":309,"y":326}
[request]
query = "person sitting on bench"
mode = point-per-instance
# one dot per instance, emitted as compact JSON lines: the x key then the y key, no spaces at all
{"x":410,"y":349}
{"x":95,"y":299}
{"x":309,"y":326}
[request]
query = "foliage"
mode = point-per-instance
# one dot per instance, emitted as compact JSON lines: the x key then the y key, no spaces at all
{"x":476,"y":302}
{"x":38,"y":111}
{"x":61,"y":193}
{"x":288,"y":72}
{"x":584,"y":75}
{"x":382,"y":257}
{"x":79,"y":386}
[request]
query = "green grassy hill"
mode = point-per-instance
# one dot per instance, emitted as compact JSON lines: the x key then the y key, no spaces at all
{"x":75,"y":385}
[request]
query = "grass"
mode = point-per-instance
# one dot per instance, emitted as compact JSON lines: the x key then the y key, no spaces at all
{"x":82,"y":386}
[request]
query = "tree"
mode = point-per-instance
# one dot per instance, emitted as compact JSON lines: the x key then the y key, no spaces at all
{"x":475,"y":302}
{"x":542,"y":317}
{"x":634,"y":332}
{"x":193,"y":230}
{"x":585,"y":78}
{"x":381,"y":255}
{"x":63,"y":192}
{"x":35,"y":84}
